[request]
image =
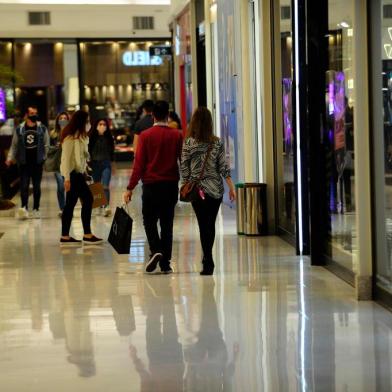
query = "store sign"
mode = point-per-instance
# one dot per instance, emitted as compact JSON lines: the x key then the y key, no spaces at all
{"x":3,"y":115}
{"x":160,"y":51}
{"x":140,"y":59}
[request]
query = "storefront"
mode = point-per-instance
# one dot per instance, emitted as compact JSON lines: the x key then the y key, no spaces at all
{"x":111,"y":78}
{"x":318,"y":106}
{"x":381,"y":99}
{"x":117,"y":76}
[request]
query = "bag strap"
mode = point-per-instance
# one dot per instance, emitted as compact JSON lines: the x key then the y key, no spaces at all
{"x":205,"y":162}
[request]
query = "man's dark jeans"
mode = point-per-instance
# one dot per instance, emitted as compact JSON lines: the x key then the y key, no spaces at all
{"x":33,"y":172}
{"x":159,"y":201}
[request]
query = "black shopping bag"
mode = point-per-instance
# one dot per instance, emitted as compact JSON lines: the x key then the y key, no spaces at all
{"x":121,"y":231}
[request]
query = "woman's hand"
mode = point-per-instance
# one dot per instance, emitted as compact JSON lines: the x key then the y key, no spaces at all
{"x":230,"y":184}
{"x":67,"y":185}
{"x":232,"y":194}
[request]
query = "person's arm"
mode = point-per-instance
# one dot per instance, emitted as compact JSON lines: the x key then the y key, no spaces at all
{"x":13,"y":149}
{"x":139,"y":167}
{"x":224,"y":171}
{"x":46,"y":141}
{"x":135,"y":142}
{"x":137,"y":131}
{"x":185,"y":167}
{"x":66,"y":159}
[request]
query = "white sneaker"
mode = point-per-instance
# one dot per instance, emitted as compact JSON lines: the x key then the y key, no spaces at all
{"x":36,"y":214}
{"x":22,"y":213}
{"x":107,"y":211}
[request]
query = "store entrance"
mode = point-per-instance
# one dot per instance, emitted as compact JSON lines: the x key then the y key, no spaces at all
{"x":37,"y":96}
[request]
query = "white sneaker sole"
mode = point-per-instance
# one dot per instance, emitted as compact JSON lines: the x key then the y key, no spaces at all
{"x":70,"y":244}
{"x":153,"y":263}
{"x":92,"y":243}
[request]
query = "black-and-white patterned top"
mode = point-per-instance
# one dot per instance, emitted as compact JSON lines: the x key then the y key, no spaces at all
{"x":193,"y":157}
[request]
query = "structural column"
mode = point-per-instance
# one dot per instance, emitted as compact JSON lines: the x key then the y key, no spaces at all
{"x":362,"y":160}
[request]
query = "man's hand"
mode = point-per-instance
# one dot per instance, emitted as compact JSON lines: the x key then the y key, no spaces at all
{"x":8,"y":162}
{"x":67,"y":185}
{"x":127,"y":196}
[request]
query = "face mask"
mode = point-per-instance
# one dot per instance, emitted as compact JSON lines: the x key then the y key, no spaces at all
{"x":101,"y":129}
{"x":63,"y":123}
{"x":33,"y":118}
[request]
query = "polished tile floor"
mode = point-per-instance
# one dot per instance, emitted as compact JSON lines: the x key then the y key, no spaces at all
{"x":88,"y":319}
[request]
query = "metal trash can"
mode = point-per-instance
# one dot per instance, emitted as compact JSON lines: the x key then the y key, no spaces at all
{"x":256,"y":222}
{"x":240,"y":193}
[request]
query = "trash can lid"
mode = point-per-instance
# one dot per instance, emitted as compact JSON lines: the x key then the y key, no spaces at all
{"x":239,"y":185}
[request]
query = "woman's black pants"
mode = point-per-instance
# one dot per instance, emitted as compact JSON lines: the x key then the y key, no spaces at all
{"x":79,"y":190}
{"x":206,"y":212}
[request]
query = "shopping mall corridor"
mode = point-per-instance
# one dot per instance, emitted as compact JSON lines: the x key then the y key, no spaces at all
{"x":87,"y":319}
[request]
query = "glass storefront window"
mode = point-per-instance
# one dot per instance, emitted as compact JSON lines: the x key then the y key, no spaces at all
{"x":340,"y":134}
{"x":118,"y":76}
{"x":382,"y":144}
{"x":285,"y":134}
{"x":6,"y":81}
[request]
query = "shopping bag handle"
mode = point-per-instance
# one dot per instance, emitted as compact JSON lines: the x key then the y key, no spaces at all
{"x":125,"y":207}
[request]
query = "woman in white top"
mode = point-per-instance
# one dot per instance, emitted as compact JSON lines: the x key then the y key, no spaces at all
{"x":74,"y":141}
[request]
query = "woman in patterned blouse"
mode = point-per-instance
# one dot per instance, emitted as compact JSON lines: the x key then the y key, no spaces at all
{"x":199,"y":141}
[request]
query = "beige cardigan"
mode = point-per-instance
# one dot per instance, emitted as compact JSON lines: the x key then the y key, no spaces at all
{"x":74,"y":156}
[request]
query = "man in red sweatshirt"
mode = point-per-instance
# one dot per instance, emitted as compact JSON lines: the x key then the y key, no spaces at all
{"x":156,"y":164}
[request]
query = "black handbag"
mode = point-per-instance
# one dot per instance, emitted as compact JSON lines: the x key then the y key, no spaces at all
{"x":190,"y":191}
{"x":121,"y":231}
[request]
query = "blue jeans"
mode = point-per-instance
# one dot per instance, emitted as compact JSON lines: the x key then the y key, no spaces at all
{"x":102,"y":172}
{"x":60,"y":190}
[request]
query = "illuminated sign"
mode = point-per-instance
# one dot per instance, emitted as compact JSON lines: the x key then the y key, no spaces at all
{"x":161,"y":50}
{"x":3,"y":116}
{"x":140,"y":59}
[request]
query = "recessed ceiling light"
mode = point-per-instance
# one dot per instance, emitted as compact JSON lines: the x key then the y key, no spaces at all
{"x":344,"y":24}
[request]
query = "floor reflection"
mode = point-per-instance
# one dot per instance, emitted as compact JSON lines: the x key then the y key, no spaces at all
{"x":207,"y":361}
{"x":164,"y":352}
{"x":88,"y":319}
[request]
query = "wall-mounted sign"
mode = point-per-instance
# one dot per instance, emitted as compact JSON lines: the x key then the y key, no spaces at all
{"x":3,"y":114}
{"x":140,"y":59}
{"x":161,"y":51}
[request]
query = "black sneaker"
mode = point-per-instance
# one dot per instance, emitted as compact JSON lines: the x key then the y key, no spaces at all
{"x":92,"y":241}
{"x":166,"y":270}
{"x":153,"y":262}
{"x":70,"y":242}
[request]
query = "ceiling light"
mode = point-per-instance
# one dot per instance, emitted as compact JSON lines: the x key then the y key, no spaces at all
{"x":344,"y":24}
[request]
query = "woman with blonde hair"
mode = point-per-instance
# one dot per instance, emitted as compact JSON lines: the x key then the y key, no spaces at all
{"x":204,"y":162}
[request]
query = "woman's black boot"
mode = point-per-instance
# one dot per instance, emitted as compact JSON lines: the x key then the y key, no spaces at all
{"x":208,"y":267}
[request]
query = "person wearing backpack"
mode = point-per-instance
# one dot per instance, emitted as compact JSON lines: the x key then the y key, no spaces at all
{"x":204,"y":162}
